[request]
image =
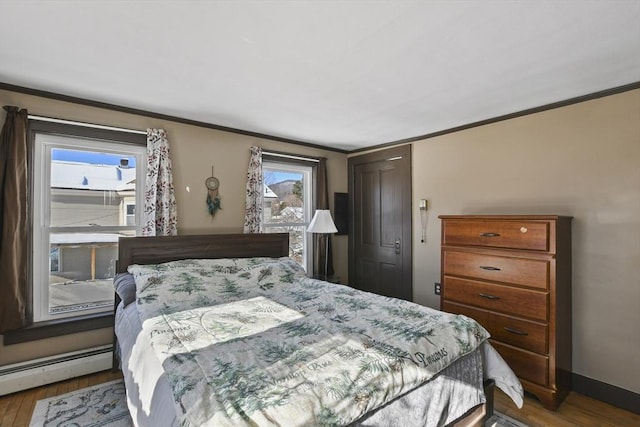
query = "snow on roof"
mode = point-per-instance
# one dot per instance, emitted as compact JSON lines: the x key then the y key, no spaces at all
{"x":76,"y":238}
{"x":88,"y":176}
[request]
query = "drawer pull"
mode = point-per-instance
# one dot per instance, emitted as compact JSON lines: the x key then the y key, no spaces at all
{"x":515,"y":331}
{"x":487,"y":267}
{"x":489,"y":234}
{"x":488,"y":296}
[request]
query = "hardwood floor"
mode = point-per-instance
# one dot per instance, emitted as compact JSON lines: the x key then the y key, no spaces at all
{"x":16,"y":408}
{"x":576,"y":411}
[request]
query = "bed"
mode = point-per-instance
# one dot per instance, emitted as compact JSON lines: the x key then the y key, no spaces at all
{"x":225,"y":330}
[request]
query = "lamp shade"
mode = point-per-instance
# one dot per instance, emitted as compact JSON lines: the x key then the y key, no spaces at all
{"x":322,"y":222}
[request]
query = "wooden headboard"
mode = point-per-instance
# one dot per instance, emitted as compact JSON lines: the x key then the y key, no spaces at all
{"x":155,"y":250}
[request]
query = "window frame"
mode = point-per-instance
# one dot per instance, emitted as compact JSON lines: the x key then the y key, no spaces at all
{"x":93,"y":137}
{"x":309,"y":168}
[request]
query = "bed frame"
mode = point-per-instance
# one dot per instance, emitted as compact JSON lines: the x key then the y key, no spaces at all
{"x":155,"y":250}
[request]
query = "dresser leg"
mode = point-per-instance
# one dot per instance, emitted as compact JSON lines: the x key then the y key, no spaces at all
{"x":549,"y":399}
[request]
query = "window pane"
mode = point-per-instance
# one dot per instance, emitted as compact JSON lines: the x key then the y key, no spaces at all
{"x":90,"y":188}
{"x":284,"y":197}
{"x":87,"y":189}
{"x":296,"y":240}
{"x":287,"y":205}
{"x":84,"y":200}
{"x":82,"y":267}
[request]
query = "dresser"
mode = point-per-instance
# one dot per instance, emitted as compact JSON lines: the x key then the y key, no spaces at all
{"x":512,"y":273}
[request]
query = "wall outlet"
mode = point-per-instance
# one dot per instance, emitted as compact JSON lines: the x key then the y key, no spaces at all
{"x":437,"y":288}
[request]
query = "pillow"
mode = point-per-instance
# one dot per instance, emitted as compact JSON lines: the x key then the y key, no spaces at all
{"x":125,"y":287}
{"x":248,"y":270}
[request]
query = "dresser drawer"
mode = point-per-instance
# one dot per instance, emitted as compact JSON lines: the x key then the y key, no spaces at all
{"x":526,"y":365}
{"x":504,"y":299}
{"x":517,"y":234}
{"x":519,"y":271}
{"x":521,"y":333}
{"x":480,"y":316}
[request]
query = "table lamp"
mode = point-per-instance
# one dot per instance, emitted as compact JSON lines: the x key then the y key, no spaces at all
{"x":322,"y":223}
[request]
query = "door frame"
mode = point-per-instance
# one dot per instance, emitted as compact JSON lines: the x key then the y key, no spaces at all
{"x":407,"y":220}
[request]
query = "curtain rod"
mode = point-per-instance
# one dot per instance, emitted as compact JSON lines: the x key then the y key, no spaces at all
{"x":290,"y":156}
{"x":88,"y":125}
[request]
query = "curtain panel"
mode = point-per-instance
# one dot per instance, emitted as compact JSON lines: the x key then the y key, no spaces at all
{"x":160,"y":211}
{"x":13,"y":220}
{"x":255,"y":190}
{"x":322,"y":202}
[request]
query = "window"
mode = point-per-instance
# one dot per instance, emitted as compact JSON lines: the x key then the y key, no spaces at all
{"x":130,"y":214}
{"x":287,"y":205}
{"x":55,"y":259}
{"x":85,"y":194}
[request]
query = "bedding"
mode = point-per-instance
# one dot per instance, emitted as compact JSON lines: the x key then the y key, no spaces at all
{"x":443,"y":399}
{"x":273,"y":347}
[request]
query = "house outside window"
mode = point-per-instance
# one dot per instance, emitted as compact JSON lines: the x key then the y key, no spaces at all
{"x":287,"y":205}
{"x":85,"y":195}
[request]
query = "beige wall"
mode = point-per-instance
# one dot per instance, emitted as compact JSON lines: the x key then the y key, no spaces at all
{"x":193,"y":151}
{"x":582,"y":160}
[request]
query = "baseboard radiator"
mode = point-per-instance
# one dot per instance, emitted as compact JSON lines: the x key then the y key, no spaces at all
{"x":35,"y":373}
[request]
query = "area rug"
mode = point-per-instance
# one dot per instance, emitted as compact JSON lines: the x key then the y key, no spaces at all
{"x":501,"y":420}
{"x":105,"y":405}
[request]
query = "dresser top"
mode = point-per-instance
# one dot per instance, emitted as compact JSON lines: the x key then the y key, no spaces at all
{"x":504,"y":217}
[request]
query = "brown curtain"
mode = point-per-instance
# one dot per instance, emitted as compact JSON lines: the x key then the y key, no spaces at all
{"x":13,"y":220}
{"x":322,"y":202}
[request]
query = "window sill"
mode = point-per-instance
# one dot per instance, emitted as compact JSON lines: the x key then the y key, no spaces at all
{"x":56,"y":328}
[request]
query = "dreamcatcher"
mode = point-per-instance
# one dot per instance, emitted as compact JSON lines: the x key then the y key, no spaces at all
{"x":213,"y":198}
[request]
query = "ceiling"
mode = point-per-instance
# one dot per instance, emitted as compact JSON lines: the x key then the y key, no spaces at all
{"x":342,"y":74}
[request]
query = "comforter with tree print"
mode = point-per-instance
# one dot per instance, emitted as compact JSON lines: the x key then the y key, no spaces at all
{"x":255,"y":342}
